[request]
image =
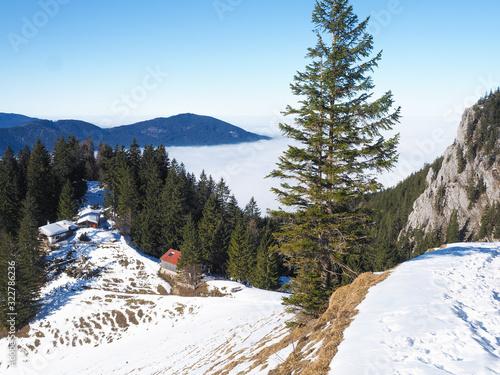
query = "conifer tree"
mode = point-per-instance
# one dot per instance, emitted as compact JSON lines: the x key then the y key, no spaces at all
{"x":105,"y":155}
{"x":162,"y":161}
{"x":190,"y":246}
{"x":211,"y":233}
{"x":89,"y":160}
{"x":148,"y":229}
{"x":23,"y":157}
{"x":7,"y":256}
{"x":205,"y":189}
{"x":237,"y":265}
{"x":252,"y":210}
{"x":67,"y":208}
{"x":172,"y":211}
{"x":267,"y":268}
{"x":10,"y":199}
{"x":453,"y":230}
{"x":68,"y":164}
{"x":76,"y":169}
{"x":29,"y":265}
{"x":40,"y":183}
{"x":127,"y":197}
{"x":134,"y":160}
{"x":338,"y":149}
{"x":112,"y":163}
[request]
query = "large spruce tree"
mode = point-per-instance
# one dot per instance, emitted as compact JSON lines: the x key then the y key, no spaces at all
{"x":41,"y":185}
{"x":337,"y":150}
{"x":10,"y":191}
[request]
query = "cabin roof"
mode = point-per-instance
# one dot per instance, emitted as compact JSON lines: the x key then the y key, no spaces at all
{"x":53,"y":229}
{"x":172,"y":256}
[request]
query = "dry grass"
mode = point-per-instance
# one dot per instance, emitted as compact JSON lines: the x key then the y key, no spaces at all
{"x":131,"y":317}
{"x":327,"y":331}
{"x":201,"y":290}
{"x":121,"y":320}
{"x":22,"y":333}
{"x":329,"y":328}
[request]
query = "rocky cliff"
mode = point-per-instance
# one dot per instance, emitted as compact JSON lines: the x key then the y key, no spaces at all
{"x":465,"y":183}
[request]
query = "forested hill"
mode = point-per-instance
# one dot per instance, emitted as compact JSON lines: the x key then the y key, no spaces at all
{"x":456,"y":198}
{"x":9,"y":120}
{"x":180,"y":130}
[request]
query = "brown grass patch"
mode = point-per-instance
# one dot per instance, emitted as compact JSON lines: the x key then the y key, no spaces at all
{"x":308,"y":332}
{"x":201,"y":290}
{"x":121,"y":320}
{"x":131,"y":317}
{"x":161,"y":290}
{"x":338,"y":317}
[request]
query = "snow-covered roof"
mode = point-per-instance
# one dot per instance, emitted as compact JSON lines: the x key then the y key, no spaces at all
{"x":63,"y":226}
{"x":89,"y":215}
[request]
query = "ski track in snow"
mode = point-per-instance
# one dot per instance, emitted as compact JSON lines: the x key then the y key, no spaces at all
{"x":436,"y":314}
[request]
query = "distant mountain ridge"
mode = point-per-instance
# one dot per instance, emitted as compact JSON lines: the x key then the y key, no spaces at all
{"x":180,"y":130}
{"x":10,"y":120}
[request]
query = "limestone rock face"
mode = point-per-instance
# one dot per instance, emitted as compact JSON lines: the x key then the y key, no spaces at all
{"x":467,"y":182}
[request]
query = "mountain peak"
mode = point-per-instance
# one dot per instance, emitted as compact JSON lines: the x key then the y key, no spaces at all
{"x":465,"y":180}
{"x":185,"y":129}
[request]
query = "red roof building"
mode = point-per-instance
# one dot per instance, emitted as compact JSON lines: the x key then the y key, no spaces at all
{"x":170,"y":260}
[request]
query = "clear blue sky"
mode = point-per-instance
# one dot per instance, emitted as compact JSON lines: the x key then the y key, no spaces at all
{"x":116,"y":61}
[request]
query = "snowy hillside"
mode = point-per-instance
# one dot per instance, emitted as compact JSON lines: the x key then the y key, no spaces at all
{"x":436,"y":314}
{"x":107,"y":311}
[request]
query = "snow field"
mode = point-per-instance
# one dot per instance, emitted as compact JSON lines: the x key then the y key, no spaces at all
{"x":117,"y":319}
{"x":436,"y":314}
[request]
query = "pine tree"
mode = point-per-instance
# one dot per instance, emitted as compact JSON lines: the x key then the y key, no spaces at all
{"x":134,"y":160}
{"x":190,"y":246}
{"x":172,"y":211}
{"x":252,"y":210}
{"x":105,"y":155}
{"x":68,"y":164}
{"x":111,"y":163}
{"x":67,"y":208}
{"x":89,"y":161}
{"x":148,"y":229}
{"x":10,"y":198}
{"x":127,"y":198}
{"x":23,"y":157}
{"x":211,"y":232}
{"x":453,"y":229}
{"x":237,"y":265}
{"x":29,"y":265}
{"x":76,"y":169}
{"x":266,"y":275}
{"x":338,"y":150}
{"x":7,"y":259}
{"x":41,"y":183}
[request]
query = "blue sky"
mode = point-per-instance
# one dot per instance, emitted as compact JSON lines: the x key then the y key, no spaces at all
{"x":118,"y":61}
{"x":228,"y":58}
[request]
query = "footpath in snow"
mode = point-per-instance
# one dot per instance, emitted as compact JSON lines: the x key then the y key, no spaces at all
{"x":436,"y":314}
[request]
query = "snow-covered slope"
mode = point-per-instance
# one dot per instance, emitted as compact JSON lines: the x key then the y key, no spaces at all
{"x":106,"y":311}
{"x":436,"y":314}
